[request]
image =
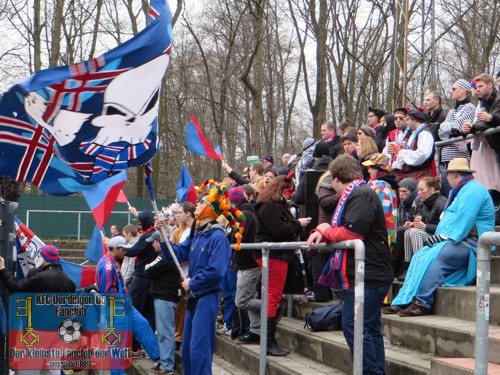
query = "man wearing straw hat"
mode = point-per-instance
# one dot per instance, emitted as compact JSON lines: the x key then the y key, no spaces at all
{"x":451,"y":251}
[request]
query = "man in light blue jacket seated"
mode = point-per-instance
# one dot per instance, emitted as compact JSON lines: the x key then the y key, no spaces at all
{"x":450,"y":257}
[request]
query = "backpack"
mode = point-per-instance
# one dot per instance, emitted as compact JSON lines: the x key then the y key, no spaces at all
{"x":328,"y":318}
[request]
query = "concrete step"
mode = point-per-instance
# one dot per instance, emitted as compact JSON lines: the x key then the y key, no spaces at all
{"x":458,"y":366}
{"x":330,"y":349}
{"x":143,"y":366}
{"x":445,"y":337}
{"x":68,"y":243}
{"x":460,"y":303}
{"x":247,"y":359}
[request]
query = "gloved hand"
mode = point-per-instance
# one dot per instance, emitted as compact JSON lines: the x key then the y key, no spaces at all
{"x":432,"y":240}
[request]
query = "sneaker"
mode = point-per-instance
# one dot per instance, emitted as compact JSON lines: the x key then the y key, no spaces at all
{"x":248,"y":338}
{"x":156,"y":366}
{"x":393,"y":309}
{"x":223,"y":331}
{"x":415,"y":309}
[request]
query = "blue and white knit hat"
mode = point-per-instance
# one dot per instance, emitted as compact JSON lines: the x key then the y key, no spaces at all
{"x":464,"y":84}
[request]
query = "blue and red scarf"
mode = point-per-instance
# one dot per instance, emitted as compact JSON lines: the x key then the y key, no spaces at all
{"x":334,"y":274}
{"x":454,"y":192}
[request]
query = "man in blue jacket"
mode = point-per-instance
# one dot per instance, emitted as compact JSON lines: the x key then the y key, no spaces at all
{"x":208,"y":252}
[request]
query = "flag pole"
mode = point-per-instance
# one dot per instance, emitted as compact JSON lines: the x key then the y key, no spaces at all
{"x":167,"y":242}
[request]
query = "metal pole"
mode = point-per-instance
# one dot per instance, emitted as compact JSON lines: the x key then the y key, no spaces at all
{"x":483,"y":299}
{"x":263,"y":312}
{"x":359,"y":292}
{"x":4,"y":242}
{"x":7,"y":252}
{"x":359,"y":306}
{"x":79,"y":225}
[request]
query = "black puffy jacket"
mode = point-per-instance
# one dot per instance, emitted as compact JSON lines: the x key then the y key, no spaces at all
{"x":48,"y":278}
{"x":431,"y":209}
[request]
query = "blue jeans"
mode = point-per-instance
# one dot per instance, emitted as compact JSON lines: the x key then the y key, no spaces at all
{"x":373,"y":339}
{"x":229,"y":295}
{"x":165,"y":332}
{"x":144,"y":334}
{"x":451,"y":258}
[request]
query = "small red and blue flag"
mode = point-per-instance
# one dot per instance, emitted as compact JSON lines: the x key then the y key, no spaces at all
{"x":185,"y":187}
{"x":198,"y":143}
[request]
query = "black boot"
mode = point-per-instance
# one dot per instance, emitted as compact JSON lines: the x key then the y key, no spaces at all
{"x":239,"y":318}
{"x":272,"y":345}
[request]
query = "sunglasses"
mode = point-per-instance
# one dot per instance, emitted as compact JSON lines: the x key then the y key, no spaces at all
{"x":399,"y":118}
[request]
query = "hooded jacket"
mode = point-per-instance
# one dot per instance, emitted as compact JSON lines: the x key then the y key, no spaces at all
{"x":406,"y":209}
{"x":144,"y":251}
{"x":208,"y":252}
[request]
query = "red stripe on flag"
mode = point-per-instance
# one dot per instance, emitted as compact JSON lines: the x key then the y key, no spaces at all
{"x":29,"y":154}
{"x":209,"y":150}
{"x":44,"y":163}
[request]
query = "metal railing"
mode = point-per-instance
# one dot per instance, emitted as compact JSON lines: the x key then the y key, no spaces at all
{"x":463,"y":139}
{"x":486,"y":241}
{"x":29,"y":213}
{"x":359,"y":299}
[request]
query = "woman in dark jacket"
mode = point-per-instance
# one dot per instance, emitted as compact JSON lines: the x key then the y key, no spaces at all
{"x":276,"y":224}
{"x":427,"y":215}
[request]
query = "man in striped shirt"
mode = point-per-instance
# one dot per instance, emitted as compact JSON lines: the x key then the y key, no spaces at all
{"x":452,"y":127}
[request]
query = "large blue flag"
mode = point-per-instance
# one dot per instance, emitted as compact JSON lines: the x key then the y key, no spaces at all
{"x":66,"y":128}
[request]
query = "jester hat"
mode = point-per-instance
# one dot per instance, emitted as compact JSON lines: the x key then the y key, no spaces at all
{"x":218,"y":204}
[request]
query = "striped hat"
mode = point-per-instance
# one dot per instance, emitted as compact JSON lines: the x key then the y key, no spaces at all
{"x":217,"y":201}
{"x":50,"y":253}
{"x":236,"y":194}
{"x":464,"y":84}
{"x":381,"y":161}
